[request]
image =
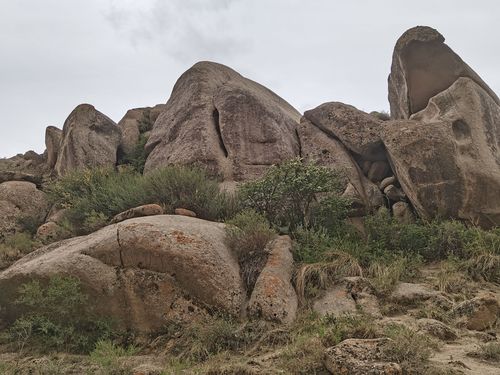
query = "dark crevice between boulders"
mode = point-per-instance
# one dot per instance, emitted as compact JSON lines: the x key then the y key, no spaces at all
{"x":299,"y":143}
{"x":119,"y":246}
{"x":215,"y":117}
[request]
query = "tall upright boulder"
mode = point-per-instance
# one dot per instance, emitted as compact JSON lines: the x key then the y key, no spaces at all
{"x":217,"y":118}
{"x":446,"y":153}
{"x":89,"y":139}
{"x":422,"y":67}
{"x":53,"y":138}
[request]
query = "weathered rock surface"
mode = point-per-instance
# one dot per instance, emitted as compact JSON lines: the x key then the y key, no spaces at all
{"x":437,"y":329}
{"x":20,"y":199}
{"x":360,"y":357}
{"x":184,"y":212}
{"x":273,"y":297}
{"x":479,"y":313}
{"x":89,"y":139}
{"x":228,"y":123}
{"x":53,"y":138}
{"x":357,"y":130}
{"x":422,"y":67}
{"x":402,"y":213}
{"x":319,"y":147}
{"x":140,"y":272}
{"x":135,"y":122}
{"x":144,"y":210}
{"x":50,"y":231}
{"x":408,"y":293}
{"x":447,"y":157}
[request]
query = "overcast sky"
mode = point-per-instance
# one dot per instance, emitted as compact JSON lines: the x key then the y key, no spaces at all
{"x":121,"y":54}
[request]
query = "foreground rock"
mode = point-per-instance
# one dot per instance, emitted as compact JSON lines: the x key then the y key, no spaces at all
{"x":422,"y":67}
{"x":360,"y":357}
{"x":19,"y":200}
{"x":228,"y":123}
{"x":273,"y":297}
{"x":479,"y":313}
{"x":140,"y":272}
{"x":89,"y":139}
{"x":53,"y":138}
{"x":447,"y":157}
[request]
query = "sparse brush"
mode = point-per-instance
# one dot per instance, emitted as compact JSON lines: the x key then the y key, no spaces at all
{"x":384,"y":278}
{"x":409,"y":348}
{"x":109,"y":357}
{"x":247,"y":235}
{"x":489,"y":351}
{"x":312,"y":278}
{"x":484,"y":266}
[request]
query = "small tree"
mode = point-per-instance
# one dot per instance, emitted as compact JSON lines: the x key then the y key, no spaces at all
{"x":289,"y":192}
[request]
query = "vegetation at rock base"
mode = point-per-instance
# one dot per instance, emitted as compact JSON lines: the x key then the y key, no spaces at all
{"x":15,"y":246}
{"x":57,"y":316}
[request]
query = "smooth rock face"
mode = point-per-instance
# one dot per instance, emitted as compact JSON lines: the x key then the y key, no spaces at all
{"x":53,"y":138}
{"x":360,"y":357}
{"x":184,"y":212}
{"x":89,"y":139}
{"x":422,"y":67}
{"x":19,"y":199}
{"x":321,"y":148}
{"x":357,"y":130}
{"x":140,"y":272}
{"x":447,"y":157}
{"x":273,"y":297}
{"x":223,"y":121}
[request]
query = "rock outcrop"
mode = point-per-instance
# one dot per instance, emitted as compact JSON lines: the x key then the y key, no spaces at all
{"x":447,"y":157}
{"x":422,"y":67}
{"x":53,"y":138}
{"x":19,"y":200}
{"x":233,"y":126}
{"x":140,"y":272}
{"x":322,"y":147}
{"x":137,"y":121}
{"x":273,"y":297}
{"x":89,"y":139}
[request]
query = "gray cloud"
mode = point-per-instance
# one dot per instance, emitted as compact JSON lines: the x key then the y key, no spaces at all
{"x":120,"y":54}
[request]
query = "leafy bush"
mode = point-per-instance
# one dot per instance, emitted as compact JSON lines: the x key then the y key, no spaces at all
{"x":57,"y":316}
{"x":15,"y":246}
{"x":137,"y":158}
{"x":247,"y":234}
{"x":288,"y":193}
{"x":93,"y":197}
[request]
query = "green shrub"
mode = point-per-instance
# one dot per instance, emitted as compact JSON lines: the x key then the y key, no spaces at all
{"x":247,"y":234}
{"x":289,"y":193}
{"x":190,"y":188}
{"x":107,"y":355}
{"x":93,"y":197}
{"x":57,"y":316}
{"x":137,"y":157}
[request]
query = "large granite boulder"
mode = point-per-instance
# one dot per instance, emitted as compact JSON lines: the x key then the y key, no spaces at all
{"x":18,"y":200}
{"x":89,"y":139}
{"x":321,"y":147}
{"x":141,"y":272}
{"x":422,"y":67}
{"x":357,"y":130}
{"x":447,"y":156}
{"x":217,"y":118}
